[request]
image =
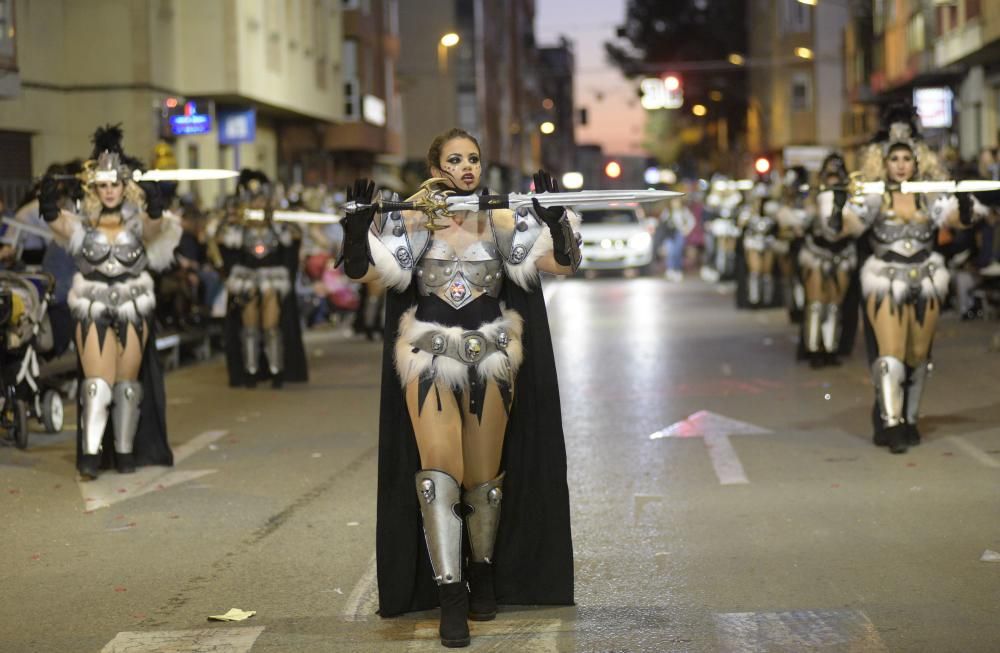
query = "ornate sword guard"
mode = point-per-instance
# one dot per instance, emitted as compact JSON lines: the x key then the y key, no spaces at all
{"x":433,"y":203}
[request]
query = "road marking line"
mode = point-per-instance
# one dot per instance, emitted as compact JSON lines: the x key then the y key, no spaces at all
{"x":217,"y":640}
{"x":111,"y":488}
{"x":364,"y":589}
{"x":724,"y":459}
{"x":975,"y":451}
{"x":802,"y":630}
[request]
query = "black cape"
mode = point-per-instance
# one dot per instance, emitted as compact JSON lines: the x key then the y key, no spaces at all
{"x":150,"y":446}
{"x":533,"y":555}
{"x":296,"y":365}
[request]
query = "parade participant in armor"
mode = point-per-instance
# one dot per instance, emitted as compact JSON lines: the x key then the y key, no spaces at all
{"x":760,"y":241}
{"x":470,"y":418}
{"x":794,"y":211}
{"x":827,"y":262}
{"x":722,"y":206}
{"x":260,"y":260}
{"x":120,"y":232}
{"x":904,"y":282}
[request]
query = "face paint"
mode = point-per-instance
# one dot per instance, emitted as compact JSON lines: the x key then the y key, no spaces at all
{"x":460,"y":164}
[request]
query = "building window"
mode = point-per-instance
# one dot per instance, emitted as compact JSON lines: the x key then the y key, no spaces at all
{"x":795,"y":17}
{"x":801,"y":92}
{"x":8,"y":49}
{"x":973,"y":9}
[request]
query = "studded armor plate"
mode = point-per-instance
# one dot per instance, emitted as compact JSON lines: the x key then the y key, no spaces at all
{"x":260,"y":242}
{"x":460,"y":278}
{"x":125,"y":255}
{"x":905,"y":239}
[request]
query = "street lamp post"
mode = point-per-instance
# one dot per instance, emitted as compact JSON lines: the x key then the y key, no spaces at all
{"x":448,"y":40}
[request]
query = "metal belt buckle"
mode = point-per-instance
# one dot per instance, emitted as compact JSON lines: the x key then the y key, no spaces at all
{"x":473,"y":346}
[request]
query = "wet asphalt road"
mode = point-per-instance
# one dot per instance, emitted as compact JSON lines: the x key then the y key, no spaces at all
{"x":763,"y":520}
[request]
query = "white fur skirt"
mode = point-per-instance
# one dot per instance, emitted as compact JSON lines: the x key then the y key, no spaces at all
{"x":129,"y":300}
{"x":929,"y":279}
{"x":244,"y":281}
{"x":819,"y":259}
{"x":501,"y":362}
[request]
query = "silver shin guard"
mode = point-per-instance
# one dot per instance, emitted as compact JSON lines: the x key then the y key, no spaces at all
{"x":439,"y":495}
{"x":831,"y":328}
{"x":251,"y":348}
{"x":811,"y":329}
{"x":915,"y":390}
{"x":96,"y":401}
{"x":484,"y":501}
{"x":753,"y":288}
{"x":274,"y":349}
{"x":767,"y":289}
{"x":798,"y":293}
{"x":125,"y":414}
{"x":888,"y":376}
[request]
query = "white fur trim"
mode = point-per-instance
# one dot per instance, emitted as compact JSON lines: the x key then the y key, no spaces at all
{"x":525,"y":273}
{"x":160,"y":250}
{"x":875,"y":278}
{"x":388,"y":268}
{"x":87,"y":298}
{"x":814,"y":257}
{"x":75,"y":242}
{"x":231,"y":237}
{"x":244,"y":281}
{"x":943,"y":208}
{"x":412,"y":365}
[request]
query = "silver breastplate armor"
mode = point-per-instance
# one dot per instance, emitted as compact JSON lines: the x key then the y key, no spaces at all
{"x":903,"y":238}
{"x":260,"y":243}
{"x":460,"y":278}
{"x":125,"y":256}
{"x":761,"y":225}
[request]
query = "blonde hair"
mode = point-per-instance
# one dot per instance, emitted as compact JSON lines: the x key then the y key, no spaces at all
{"x":929,"y":167}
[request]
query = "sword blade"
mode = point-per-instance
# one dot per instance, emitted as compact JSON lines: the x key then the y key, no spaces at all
{"x":304,"y":217}
{"x":186,"y":174}
{"x":929,"y":186}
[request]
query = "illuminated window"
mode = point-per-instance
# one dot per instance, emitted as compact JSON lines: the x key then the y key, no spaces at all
{"x":801,"y":92}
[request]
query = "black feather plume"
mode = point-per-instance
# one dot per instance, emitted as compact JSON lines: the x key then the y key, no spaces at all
{"x":107,"y":138}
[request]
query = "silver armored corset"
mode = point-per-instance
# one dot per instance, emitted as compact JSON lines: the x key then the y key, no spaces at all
{"x":904,"y":239}
{"x":125,"y":256}
{"x":260,"y":243}
{"x":460,"y":278}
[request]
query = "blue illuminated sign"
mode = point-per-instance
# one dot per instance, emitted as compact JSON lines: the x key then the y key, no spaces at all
{"x":196,"y":123}
{"x":238,"y":127}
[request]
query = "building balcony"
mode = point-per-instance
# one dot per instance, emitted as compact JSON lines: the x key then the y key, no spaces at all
{"x":958,"y":44}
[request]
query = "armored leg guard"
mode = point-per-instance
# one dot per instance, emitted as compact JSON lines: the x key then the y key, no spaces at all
{"x":914,"y":391}
{"x":767,"y":289}
{"x":125,"y":419}
{"x":888,"y":377}
{"x":811,"y":328}
{"x":482,"y":521}
{"x":251,"y":349}
{"x":798,"y":293}
{"x":753,"y":288}
{"x":96,"y":402}
{"x":831,"y":328}
{"x":274,"y":349}
{"x":440,"y":495}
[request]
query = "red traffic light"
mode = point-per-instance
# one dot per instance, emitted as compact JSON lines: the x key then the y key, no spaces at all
{"x":762,"y":165}
{"x":672,"y":82}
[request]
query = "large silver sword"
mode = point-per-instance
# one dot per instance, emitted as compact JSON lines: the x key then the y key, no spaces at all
{"x":305,"y":217}
{"x":858,"y":187}
{"x":444,"y":203}
{"x":180,"y":174}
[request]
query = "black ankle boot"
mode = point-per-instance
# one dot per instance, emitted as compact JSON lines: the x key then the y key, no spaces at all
{"x":482,"y":600}
{"x":896,"y":438}
{"x":817,"y":359}
{"x":125,"y":463}
{"x":278,"y":381}
{"x":879,"y":437}
{"x":89,"y":466}
{"x":912,"y":435}
{"x":454,"y":628}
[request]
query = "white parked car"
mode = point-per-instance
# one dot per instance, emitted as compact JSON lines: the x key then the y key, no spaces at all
{"x":616,"y":237}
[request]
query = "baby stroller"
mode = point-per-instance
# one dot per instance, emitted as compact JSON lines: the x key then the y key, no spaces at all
{"x":24,"y":299}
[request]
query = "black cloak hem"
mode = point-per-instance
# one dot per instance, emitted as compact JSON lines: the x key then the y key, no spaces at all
{"x":533,"y":555}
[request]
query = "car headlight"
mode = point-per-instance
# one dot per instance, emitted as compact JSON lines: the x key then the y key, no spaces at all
{"x":640,"y":240}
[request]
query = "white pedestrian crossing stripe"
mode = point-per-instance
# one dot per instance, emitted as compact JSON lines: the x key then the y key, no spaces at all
{"x":216,"y":640}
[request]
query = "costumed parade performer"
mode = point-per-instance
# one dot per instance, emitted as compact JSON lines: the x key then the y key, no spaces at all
{"x":904,"y":282}
{"x":120,"y":232}
{"x":263,"y":334}
{"x":794,"y":211}
{"x":827,"y":262}
{"x":759,"y":243}
{"x":470,"y":412}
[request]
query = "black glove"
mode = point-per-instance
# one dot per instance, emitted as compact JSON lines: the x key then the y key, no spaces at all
{"x":48,"y":199}
{"x":964,"y":208}
{"x":565,"y":244}
{"x":356,"y":256}
{"x":837,"y":217}
{"x":154,"y":199}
